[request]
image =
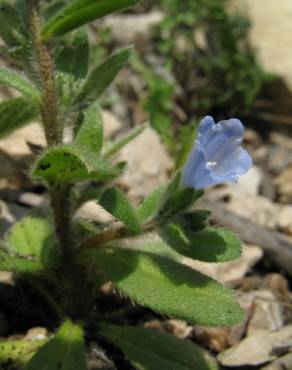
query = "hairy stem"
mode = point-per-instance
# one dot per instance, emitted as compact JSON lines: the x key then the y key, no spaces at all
{"x":53,"y":128}
{"x":114,"y":233}
{"x":60,"y":202}
{"x":49,"y":111}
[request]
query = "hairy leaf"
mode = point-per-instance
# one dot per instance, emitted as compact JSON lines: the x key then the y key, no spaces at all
{"x":90,"y":134}
{"x":100,"y":79}
{"x":18,"y":264}
{"x":64,"y":352}
{"x":80,"y":12}
{"x":63,"y":164}
{"x":71,"y":69}
{"x":19,"y":351}
{"x":15,"y":113}
{"x":149,"y":349}
{"x":150,"y":206}
{"x":168,"y":287}
{"x":12,"y":79}
{"x":120,"y":143}
{"x":115,"y":202}
{"x":34,"y":237}
{"x":209,"y":244}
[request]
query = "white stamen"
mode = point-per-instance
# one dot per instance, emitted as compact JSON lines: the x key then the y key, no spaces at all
{"x":211,"y":165}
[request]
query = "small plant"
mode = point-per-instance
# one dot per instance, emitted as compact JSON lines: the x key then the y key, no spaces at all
{"x":68,"y":259}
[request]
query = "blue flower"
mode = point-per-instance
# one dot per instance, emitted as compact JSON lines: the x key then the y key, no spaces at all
{"x":216,"y":156}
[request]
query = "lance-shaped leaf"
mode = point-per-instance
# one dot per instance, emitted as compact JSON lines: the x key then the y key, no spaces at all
{"x":15,"y":113}
{"x":168,"y":287}
{"x":116,"y":203}
{"x":13,"y":79}
{"x":73,"y":59}
{"x":63,"y":164}
{"x":64,"y":352}
{"x":209,"y":244}
{"x":120,"y":143}
{"x":149,"y":349}
{"x":19,"y":265}
{"x":80,"y":12}
{"x":18,"y":351}
{"x":153,"y":205}
{"x":100,"y":79}
{"x":180,"y":200}
{"x":34,"y":237}
{"x":90,"y":134}
{"x":150,"y":206}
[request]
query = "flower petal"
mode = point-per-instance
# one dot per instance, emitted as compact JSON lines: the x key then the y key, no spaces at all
{"x":228,"y":132}
{"x":195,"y":174}
{"x":235,"y":164}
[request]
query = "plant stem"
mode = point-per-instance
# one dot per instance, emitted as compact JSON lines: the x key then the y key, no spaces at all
{"x":49,"y":111}
{"x":53,"y":129}
{"x":114,"y":233}
{"x":60,"y":202}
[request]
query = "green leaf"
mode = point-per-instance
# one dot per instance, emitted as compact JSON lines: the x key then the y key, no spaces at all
{"x":209,"y":244}
{"x":149,"y":349}
{"x":80,"y":12}
{"x":64,"y":352}
{"x":100,"y":79}
{"x":10,"y":30}
{"x":19,"y":265}
{"x":150,"y":206}
{"x":34,"y":237}
{"x":15,"y":113}
{"x":19,"y":351}
{"x":165,"y":200}
{"x":168,"y":287}
{"x":13,"y":79}
{"x":90,"y":134}
{"x":73,"y":59}
{"x":120,"y":143}
{"x":115,"y":202}
{"x":80,"y":60}
{"x":63,"y":164}
{"x":71,"y":69}
{"x":182,"y":199}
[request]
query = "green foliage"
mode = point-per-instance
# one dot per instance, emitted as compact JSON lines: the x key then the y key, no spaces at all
{"x":80,"y":12}
{"x":19,"y":351}
{"x":65,"y":351}
{"x":13,"y":79}
{"x":150,"y":206}
{"x":67,"y":164}
{"x":115,"y":202}
{"x":15,"y":113}
{"x":168,"y":287}
{"x":148,"y":349}
{"x":209,"y":244}
{"x":10,"y":30}
{"x":90,"y":134}
{"x":72,"y":68}
{"x":99,"y":79}
{"x":19,"y":265}
{"x":33,"y":237}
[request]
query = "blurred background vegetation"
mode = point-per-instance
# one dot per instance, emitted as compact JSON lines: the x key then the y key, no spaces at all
{"x":196,"y":61}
